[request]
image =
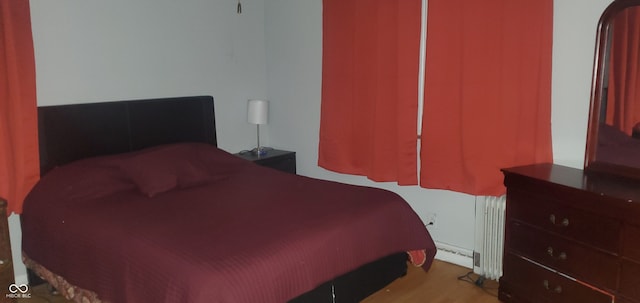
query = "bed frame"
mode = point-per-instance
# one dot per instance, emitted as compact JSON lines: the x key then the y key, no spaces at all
{"x":76,"y":131}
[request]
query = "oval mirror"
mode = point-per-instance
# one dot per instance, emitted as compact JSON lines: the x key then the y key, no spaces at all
{"x":613,"y":138}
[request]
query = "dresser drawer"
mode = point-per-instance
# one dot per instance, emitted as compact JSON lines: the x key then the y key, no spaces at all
{"x":532,"y":281}
{"x":620,"y":299}
{"x":573,"y":223}
{"x":631,"y":243}
{"x":630,"y":279}
{"x":507,"y":294}
{"x":566,"y":256}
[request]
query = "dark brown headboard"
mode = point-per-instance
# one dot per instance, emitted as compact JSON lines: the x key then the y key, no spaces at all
{"x":76,"y":131}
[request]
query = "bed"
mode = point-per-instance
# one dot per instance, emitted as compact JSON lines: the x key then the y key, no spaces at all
{"x":137,"y":204}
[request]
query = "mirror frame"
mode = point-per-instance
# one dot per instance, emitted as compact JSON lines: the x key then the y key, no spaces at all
{"x":603,"y":36}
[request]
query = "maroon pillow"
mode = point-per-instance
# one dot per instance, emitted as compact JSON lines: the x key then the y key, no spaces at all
{"x":160,"y":169}
{"x":81,"y":181}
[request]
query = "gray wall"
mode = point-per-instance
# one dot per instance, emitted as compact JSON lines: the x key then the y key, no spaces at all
{"x":121,"y":49}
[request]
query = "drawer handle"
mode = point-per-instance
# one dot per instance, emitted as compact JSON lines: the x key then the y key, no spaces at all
{"x":562,"y":256}
{"x":557,"y":289}
{"x":563,"y":223}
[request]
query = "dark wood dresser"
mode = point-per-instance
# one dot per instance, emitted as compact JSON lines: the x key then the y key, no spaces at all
{"x":6,"y":262}
{"x":570,"y":236}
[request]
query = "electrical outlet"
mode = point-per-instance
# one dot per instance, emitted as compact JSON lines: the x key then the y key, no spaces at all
{"x":431,"y":220}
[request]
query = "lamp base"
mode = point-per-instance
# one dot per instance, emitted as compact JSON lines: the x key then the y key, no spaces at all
{"x":261,"y":151}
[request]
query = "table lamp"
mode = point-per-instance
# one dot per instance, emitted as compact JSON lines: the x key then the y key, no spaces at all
{"x":258,"y":113}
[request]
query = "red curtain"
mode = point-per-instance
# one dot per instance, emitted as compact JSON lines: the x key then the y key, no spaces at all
{"x":19,"y":164}
{"x":487,"y":92}
{"x":623,"y":100}
{"x":368,"y":122}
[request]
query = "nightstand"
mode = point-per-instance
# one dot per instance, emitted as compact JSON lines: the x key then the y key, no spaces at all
{"x":277,"y":159}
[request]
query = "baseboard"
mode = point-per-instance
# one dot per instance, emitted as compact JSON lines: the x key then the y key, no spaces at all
{"x":455,"y":255}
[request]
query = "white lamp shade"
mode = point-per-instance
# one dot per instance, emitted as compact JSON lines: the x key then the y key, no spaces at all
{"x":258,"y":111}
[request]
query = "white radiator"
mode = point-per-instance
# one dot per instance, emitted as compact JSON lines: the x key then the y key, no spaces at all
{"x":489,"y":236}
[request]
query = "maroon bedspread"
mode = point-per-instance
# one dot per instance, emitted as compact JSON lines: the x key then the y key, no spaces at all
{"x":221,"y":230}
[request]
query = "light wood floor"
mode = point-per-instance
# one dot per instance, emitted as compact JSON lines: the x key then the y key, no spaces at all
{"x":439,"y":285}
